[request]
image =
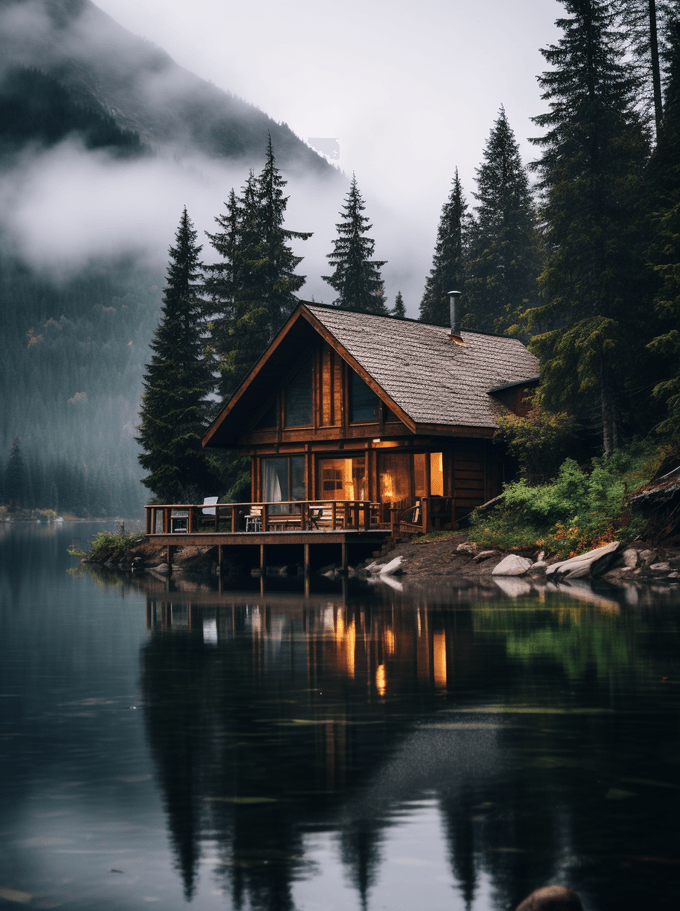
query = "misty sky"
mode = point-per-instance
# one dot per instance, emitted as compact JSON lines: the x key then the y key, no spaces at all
{"x":410,"y":90}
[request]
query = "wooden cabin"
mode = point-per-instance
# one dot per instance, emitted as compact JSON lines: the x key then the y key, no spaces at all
{"x":346,"y":407}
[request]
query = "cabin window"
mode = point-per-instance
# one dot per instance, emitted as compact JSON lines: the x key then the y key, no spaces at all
{"x":365,"y":404}
{"x":342,"y":479}
{"x":283,"y":478}
{"x":402,"y":478}
{"x":268,"y":419}
{"x":299,"y":398}
{"x":436,"y":474}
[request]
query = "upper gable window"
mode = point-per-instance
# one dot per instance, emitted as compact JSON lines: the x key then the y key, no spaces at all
{"x":299,"y":406}
{"x":365,"y":404}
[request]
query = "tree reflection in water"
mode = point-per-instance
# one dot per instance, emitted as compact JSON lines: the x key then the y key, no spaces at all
{"x":521,"y":721}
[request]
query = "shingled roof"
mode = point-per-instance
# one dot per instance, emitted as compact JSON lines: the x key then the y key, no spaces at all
{"x":431,"y":377}
{"x":426,"y":377}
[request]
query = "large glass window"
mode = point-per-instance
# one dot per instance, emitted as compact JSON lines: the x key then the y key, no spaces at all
{"x":283,"y":478}
{"x":342,"y":479}
{"x":402,"y":478}
{"x":365,"y":404}
{"x":299,"y":398}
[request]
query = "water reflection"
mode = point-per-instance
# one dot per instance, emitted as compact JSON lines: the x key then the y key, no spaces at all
{"x":539,"y":733}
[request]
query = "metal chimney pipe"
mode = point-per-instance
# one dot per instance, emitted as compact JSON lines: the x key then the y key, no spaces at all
{"x":454,"y":303}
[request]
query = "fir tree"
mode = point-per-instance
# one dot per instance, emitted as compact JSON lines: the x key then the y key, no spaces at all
{"x":450,"y":260}
{"x":665,"y":252}
{"x":399,"y":310}
{"x":177,"y":383}
{"x":356,"y":277}
{"x":505,"y":251}
{"x":252,"y":288}
{"x":16,"y":477}
{"x":594,"y":282}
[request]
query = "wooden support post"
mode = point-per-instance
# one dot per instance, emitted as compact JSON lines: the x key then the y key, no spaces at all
{"x":166,"y":521}
{"x":394,"y":520}
{"x":343,"y":556}
{"x":426,"y":514}
{"x":168,"y":556}
{"x":191,"y":520}
{"x":265,"y":517}
{"x":263,"y":560}
{"x":147,"y":521}
{"x":234,"y":518}
{"x":219,"y":560}
{"x":305,"y":559}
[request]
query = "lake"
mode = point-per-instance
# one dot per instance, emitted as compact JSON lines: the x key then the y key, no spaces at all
{"x":363,"y":747}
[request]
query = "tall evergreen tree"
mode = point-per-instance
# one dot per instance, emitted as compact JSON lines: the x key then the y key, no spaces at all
{"x":450,"y":261}
{"x":356,"y":277}
{"x":16,"y":477}
{"x":665,"y":252}
{"x":177,"y":383}
{"x":399,"y":310}
{"x":252,"y":287}
{"x":593,"y":284}
{"x":505,"y":249}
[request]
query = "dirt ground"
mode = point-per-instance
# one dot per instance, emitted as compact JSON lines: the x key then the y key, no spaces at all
{"x":451,"y":556}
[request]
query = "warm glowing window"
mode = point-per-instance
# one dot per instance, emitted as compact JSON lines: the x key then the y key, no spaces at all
{"x":342,"y":479}
{"x":436,"y":474}
{"x":402,"y":478}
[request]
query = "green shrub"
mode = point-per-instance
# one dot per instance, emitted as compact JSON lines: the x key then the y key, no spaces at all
{"x":110,"y":545}
{"x":576,"y":512}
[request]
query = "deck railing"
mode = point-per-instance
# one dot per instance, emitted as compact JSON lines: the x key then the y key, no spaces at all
{"x":290,"y":515}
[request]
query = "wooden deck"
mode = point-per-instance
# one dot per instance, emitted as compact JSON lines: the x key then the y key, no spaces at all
{"x":301,"y":525}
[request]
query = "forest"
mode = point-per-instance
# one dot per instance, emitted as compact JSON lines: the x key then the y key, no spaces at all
{"x":577,"y":253}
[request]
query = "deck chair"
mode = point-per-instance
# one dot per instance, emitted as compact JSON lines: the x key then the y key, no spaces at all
{"x":254,"y":518}
{"x":209,"y":509}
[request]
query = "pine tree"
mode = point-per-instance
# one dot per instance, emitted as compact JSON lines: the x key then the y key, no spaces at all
{"x":593,"y":284}
{"x":450,"y":260}
{"x":665,"y":252}
{"x":505,"y":251}
{"x":16,"y":477}
{"x":356,"y":277}
{"x":252,"y":288}
{"x":399,"y":310}
{"x":177,"y":383}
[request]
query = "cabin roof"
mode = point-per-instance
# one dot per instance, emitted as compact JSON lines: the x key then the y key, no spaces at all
{"x":429,"y":375}
{"x":423,"y":374}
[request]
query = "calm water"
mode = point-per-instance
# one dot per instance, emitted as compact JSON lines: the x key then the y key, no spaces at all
{"x":360,"y":748}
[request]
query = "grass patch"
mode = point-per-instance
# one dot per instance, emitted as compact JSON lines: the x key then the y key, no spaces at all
{"x":579,"y":510}
{"x":110,"y":546}
{"x":435,"y":536}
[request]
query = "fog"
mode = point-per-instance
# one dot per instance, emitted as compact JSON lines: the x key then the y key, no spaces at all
{"x":411,"y":95}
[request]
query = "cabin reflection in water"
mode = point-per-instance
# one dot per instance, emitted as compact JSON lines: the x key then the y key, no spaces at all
{"x":273,"y":719}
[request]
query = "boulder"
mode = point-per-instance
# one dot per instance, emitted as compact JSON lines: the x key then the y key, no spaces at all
{"x":467,"y":548}
{"x":394,"y":566}
{"x":485,"y":555}
{"x":512,"y":565}
{"x":630,"y":558}
{"x":660,"y":567}
{"x":647,"y":557}
{"x":592,"y":564}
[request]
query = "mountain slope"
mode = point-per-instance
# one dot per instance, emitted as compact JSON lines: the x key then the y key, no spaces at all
{"x":140,"y":86}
